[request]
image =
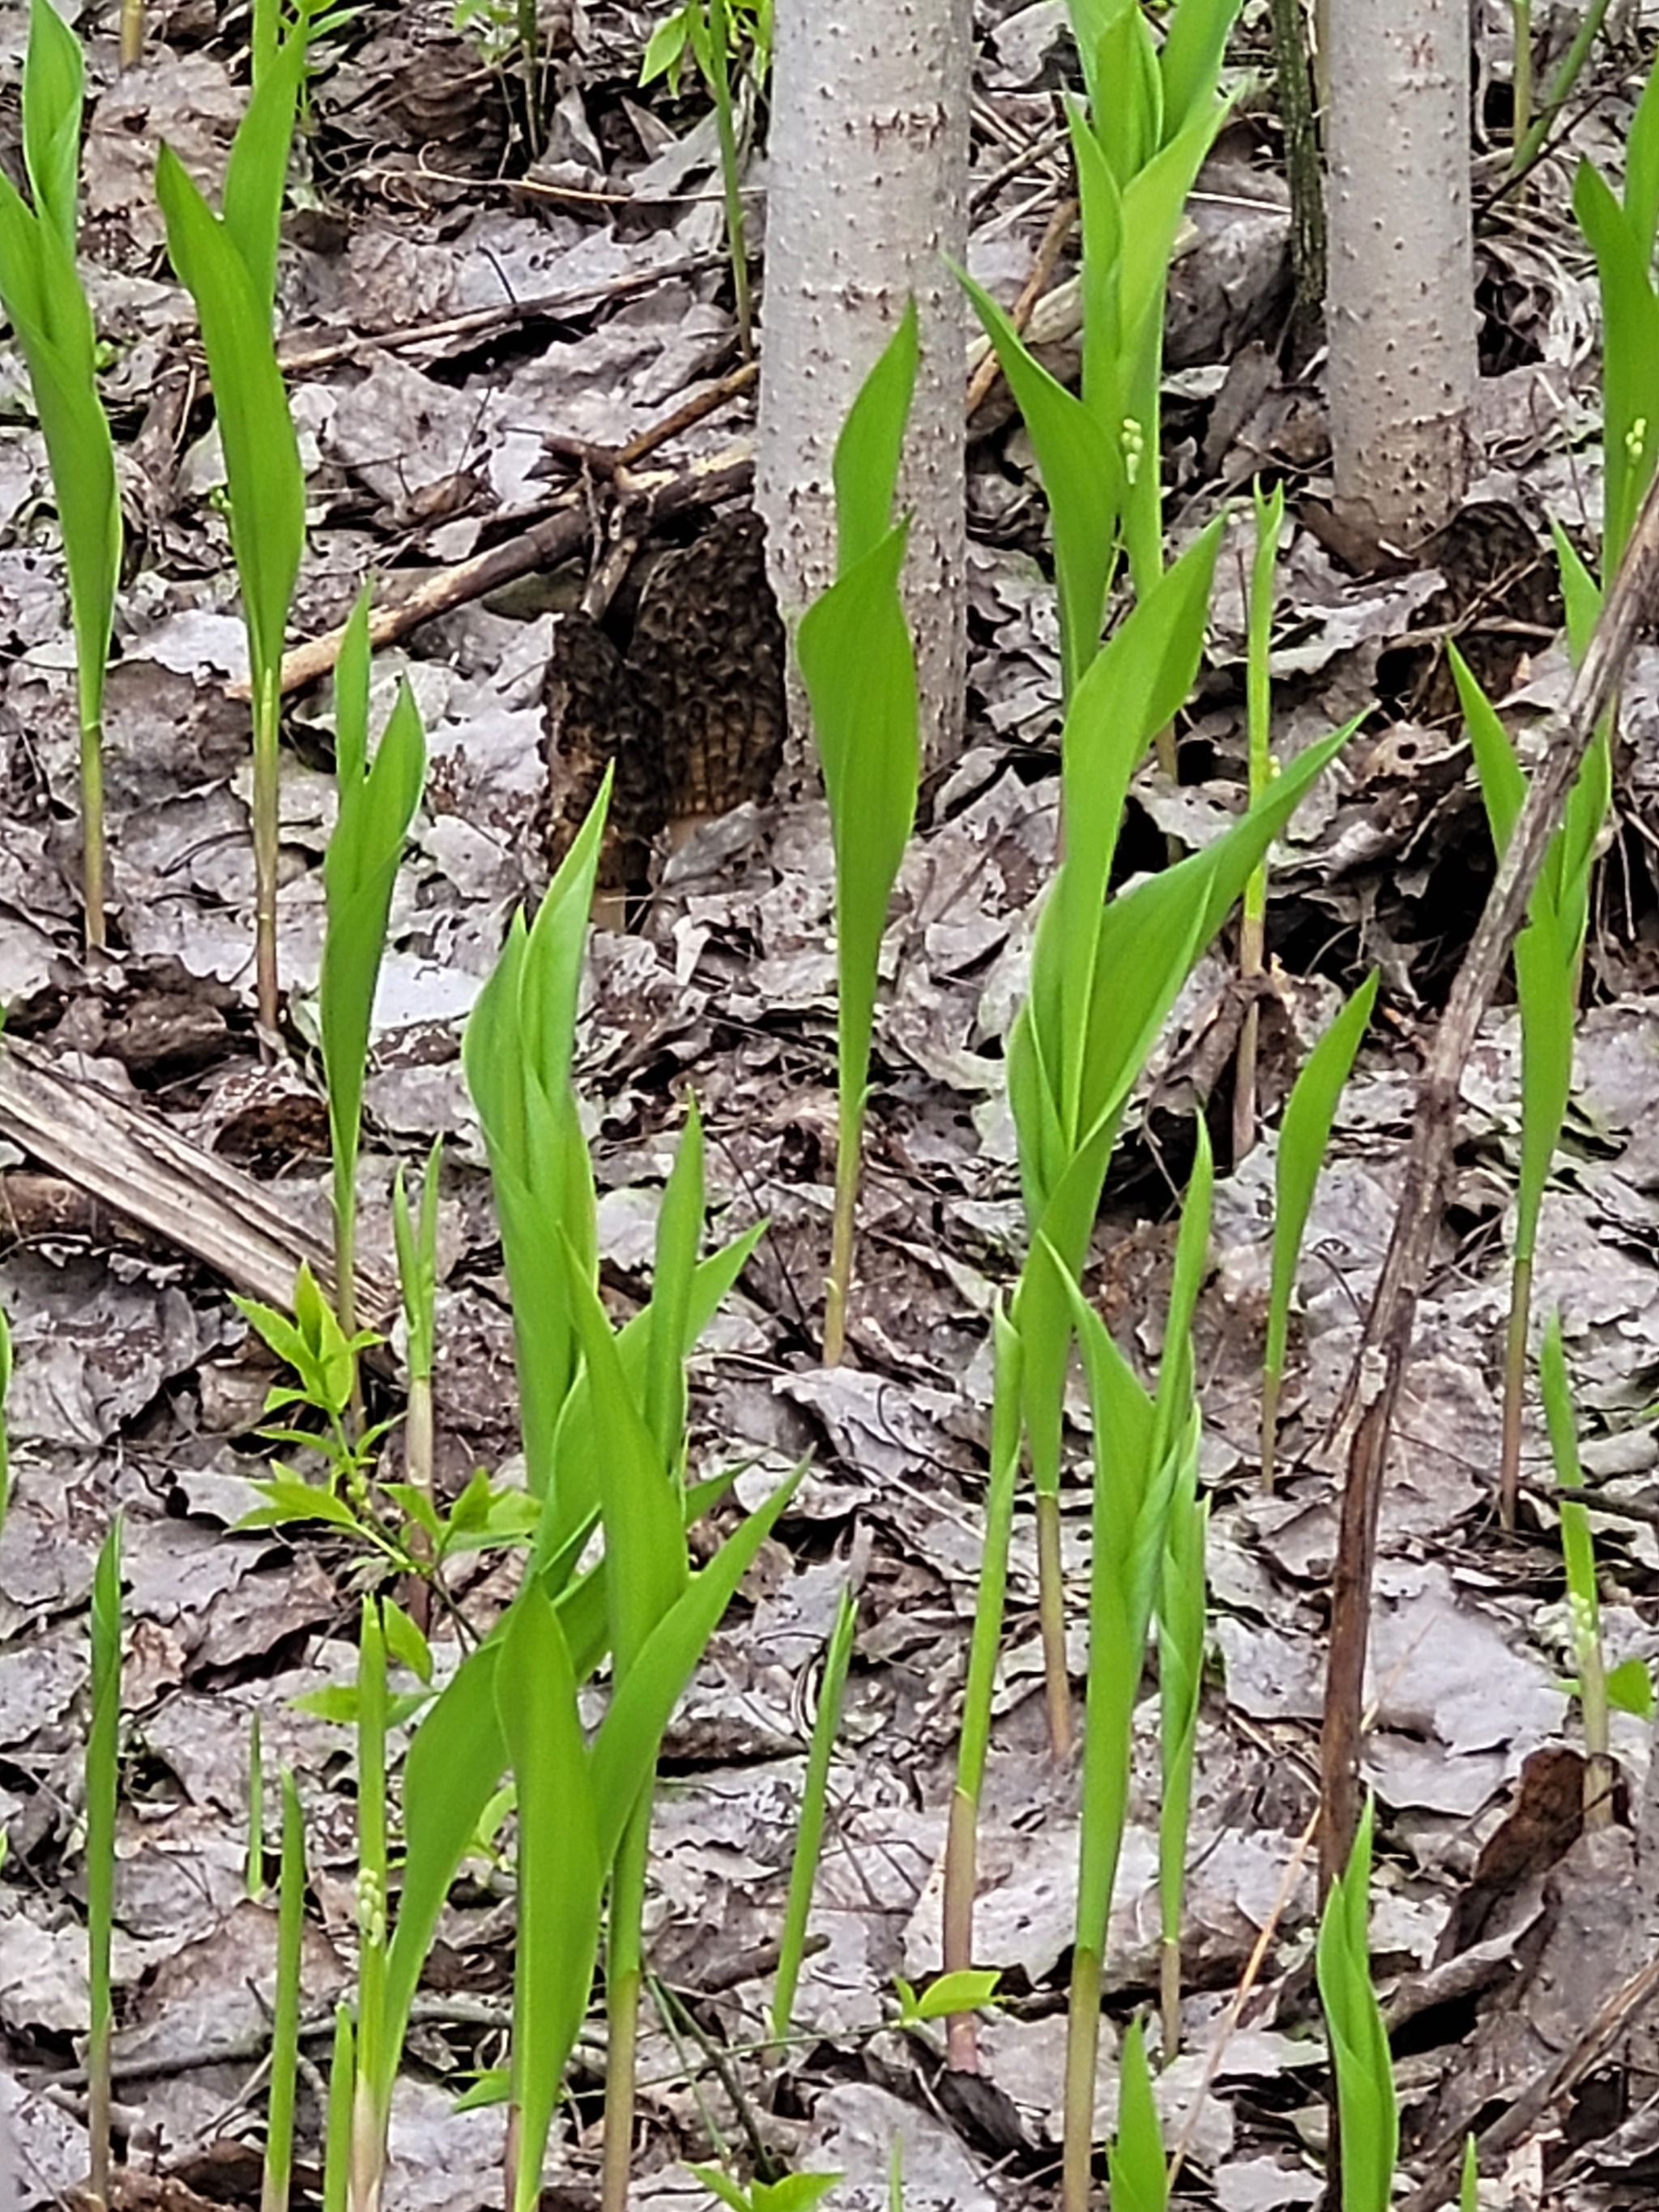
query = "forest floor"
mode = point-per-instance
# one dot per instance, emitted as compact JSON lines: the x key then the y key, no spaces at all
{"x":445,"y":309}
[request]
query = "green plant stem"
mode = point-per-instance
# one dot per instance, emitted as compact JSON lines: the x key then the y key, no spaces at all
{"x":1082,"y":2053}
{"x":731,"y":179}
{"x":256,"y":1811}
{"x":837,"y":1290}
{"x":92,"y":833}
{"x":1051,"y":1623}
{"x":814,"y":1804}
{"x":102,"y":1771}
{"x":1271,"y":1382}
{"x":285,"y":2018}
{"x":530,"y":60}
{"x":624,"y":1967}
{"x":961,"y":1839}
{"x":369,"y":2115}
{"x":337,"y":2133}
{"x":1515,"y":1390}
{"x":1560,"y":85}
{"x":267,"y":722}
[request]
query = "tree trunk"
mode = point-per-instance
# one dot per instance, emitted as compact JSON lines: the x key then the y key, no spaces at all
{"x":867,"y":200}
{"x":1400,"y":301}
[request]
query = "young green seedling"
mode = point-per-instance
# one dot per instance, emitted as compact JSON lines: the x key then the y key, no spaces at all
{"x":324,"y":1361}
{"x":1181,"y":1625}
{"x":1368,"y":2112}
{"x":961,"y":1850}
{"x":511,"y":1704}
{"x":1146,"y":1447}
{"x":795,"y":2192}
{"x":1134,"y":2159}
{"x":815,"y":1798}
{"x":40,"y":291}
{"x":1468,"y":2187}
{"x":1105,"y":973}
{"x":1151,"y":115}
{"x":256,"y":1811}
{"x":102,"y":1778}
{"x":858,"y":667}
{"x":713,"y":32}
{"x":1304,"y":1138}
{"x":517,"y":1053}
{"x":415,"y":1237}
{"x":337,"y":2130}
{"x":1548,"y":954}
{"x":360,"y":869}
{"x":1628,"y":1687}
{"x":1621,"y":234}
{"x":228,"y":263}
{"x":278,"y":2170}
{"x":1530,"y":130}
{"x":370,"y":2111}
{"x":1258,"y":690}
{"x":638,"y":1434}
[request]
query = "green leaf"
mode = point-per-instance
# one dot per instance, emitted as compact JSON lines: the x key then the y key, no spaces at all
{"x":1366,"y":2105}
{"x":1083,"y":475}
{"x":1629,"y":370}
{"x":964,"y":1990}
{"x":256,"y":175}
{"x":1304,"y":1138}
{"x":679,"y":1233}
{"x":1630,"y":1688}
{"x":1134,"y":2161}
{"x":1195,"y":45}
{"x":517,"y":1055}
{"x":856,"y":660}
{"x":455,"y":1760}
{"x":625,"y":1748}
{"x":561,"y":1871}
{"x":639,"y":1504}
{"x":262,"y":456}
{"x":870,"y":443}
{"x":53,"y":79}
{"x":360,"y":872}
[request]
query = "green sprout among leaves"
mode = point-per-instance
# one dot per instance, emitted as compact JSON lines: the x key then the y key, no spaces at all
{"x":1152,"y":115}
{"x":1253,"y":920}
{"x":227,"y":262}
{"x":1145,"y":1450}
{"x":1368,"y":2112}
{"x":716,"y":33}
{"x":102,"y":1781}
{"x":794,"y":2192}
{"x":1134,"y":2159}
{"x":1628,"y":1687}
{"x":40,"y":291}
{"x":808,"y":1834}
{"x":377,"y":803}
{"x":858,"y":667}
{"x":278,"y":2166}
{"x":1304,"y":1138}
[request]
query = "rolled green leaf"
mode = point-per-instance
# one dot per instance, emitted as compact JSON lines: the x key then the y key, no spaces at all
{"x":40,"y":291}
{"x":360,"y":872}
{"x":858,"y":667}
{"x":1304,"y":1138}
{"x":1134,"y":2159}
{"x":1367,"y":2110}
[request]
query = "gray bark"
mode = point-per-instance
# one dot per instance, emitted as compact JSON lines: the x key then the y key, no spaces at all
{"x":1400,"y":299}
{"x":867,"y":199}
